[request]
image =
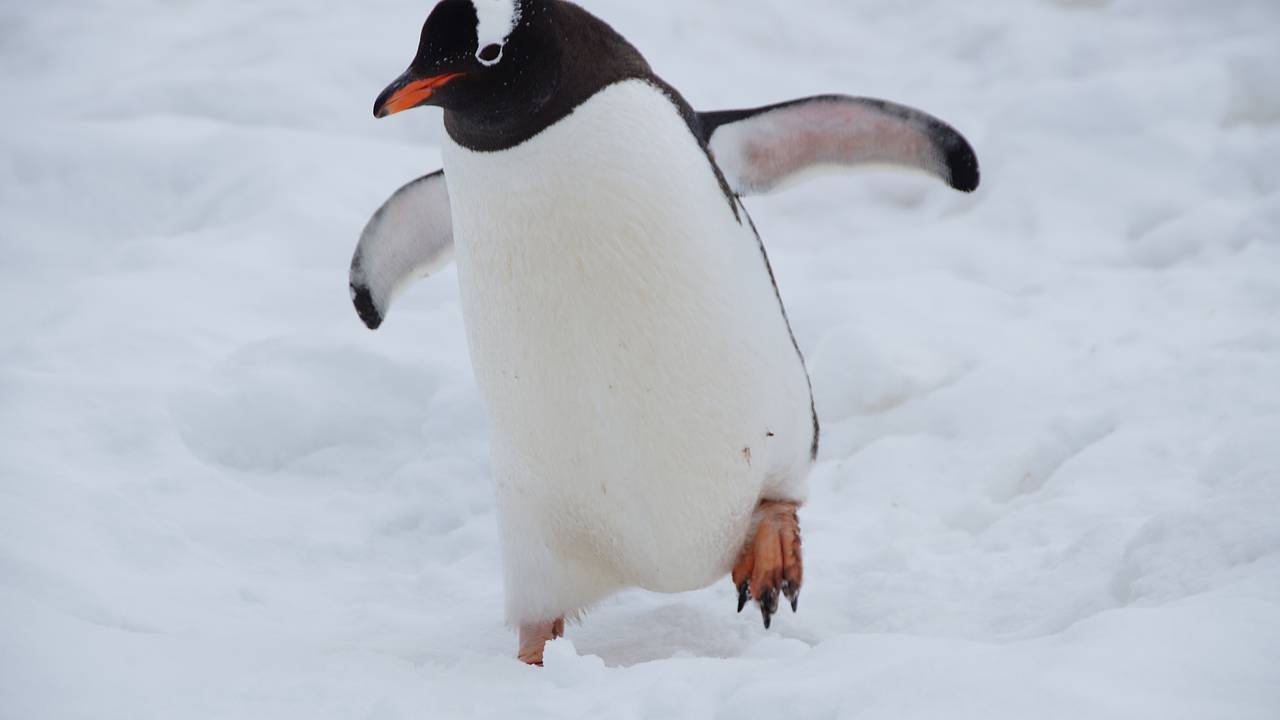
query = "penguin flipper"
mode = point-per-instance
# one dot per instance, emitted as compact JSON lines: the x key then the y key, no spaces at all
{"x":408,"y":238}
{"x":760,"y":149}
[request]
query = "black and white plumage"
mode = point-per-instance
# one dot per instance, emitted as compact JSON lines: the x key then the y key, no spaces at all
{"x":643,"y":385}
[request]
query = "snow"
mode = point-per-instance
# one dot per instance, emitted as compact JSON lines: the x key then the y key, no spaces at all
{"x":1050,"y":480}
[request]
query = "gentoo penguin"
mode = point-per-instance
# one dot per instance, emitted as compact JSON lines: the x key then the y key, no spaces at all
{"x":652,"y":423}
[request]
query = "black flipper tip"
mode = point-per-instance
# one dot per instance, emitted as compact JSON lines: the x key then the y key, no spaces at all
{"x":363,"y":300}
{"x":962,"y":163}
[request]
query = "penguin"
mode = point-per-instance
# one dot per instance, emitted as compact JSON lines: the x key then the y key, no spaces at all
{"x":652,"y":423}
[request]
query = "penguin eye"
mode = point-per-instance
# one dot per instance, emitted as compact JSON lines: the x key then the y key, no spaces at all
{"x":490,"y":54}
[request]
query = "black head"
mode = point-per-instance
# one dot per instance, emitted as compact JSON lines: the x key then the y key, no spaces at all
{"x":478,"y":57}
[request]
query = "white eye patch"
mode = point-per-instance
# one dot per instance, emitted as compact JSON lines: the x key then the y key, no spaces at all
{"x":495,"y":19}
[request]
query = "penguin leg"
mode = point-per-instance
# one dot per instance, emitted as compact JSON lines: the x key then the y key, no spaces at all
{"x":771,"y":564}
{"x":534,"y":639}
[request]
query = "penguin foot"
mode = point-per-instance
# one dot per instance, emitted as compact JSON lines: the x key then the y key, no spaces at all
{"x":534,"y":639}
{"x":770,"y":565}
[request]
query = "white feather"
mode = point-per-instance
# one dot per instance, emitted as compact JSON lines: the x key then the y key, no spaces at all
{"x":643,"y":389}
{"x":495,"y":20}
{"x":408,"y":238}
{"x":763,"y":152}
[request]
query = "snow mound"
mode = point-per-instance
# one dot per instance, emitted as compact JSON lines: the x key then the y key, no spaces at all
{"x":1050,"y":477}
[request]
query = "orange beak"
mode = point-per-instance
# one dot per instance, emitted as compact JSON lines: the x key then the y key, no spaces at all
{"x":406,"y":93}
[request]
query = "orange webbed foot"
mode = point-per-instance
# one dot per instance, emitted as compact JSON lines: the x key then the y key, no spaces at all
{"x":770,"y":565}
{"x":534,"y":638}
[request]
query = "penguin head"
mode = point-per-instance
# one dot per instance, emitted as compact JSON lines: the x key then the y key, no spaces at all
{"x":476,"y":57}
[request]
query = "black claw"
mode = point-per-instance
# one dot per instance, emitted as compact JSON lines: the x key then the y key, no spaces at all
{"x":743,"y":594}
{"x":792,"y":593}
{"x":768,"y":606}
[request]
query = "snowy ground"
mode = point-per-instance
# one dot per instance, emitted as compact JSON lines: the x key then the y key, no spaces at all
{"x":1050,"y":484}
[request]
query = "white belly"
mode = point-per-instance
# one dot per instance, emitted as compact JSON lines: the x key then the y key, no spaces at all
{"x":642,"y":386}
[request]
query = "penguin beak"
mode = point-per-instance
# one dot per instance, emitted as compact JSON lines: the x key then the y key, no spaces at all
{"x":409,"y":91}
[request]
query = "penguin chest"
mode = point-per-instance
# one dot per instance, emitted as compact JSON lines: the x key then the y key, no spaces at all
{"x":625,"y":334}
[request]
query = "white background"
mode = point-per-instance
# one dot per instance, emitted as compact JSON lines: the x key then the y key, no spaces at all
{"x":1050,"y":479}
